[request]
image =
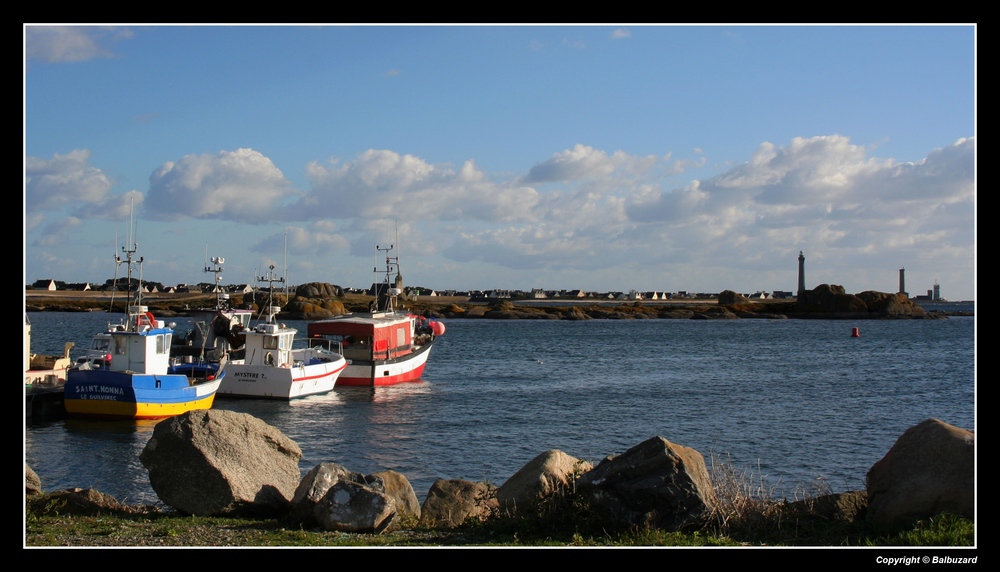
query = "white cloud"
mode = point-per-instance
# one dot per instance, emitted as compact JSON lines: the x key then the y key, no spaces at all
{"x":318,"y":238}
{"x":71,"y":43}
{"x":585,"y":162}
{"x":57,"y":232}
{"x":63,"y":180}
{"x":383,"y":184}
{"x":241,"y":185}
{"x":621,"y":34}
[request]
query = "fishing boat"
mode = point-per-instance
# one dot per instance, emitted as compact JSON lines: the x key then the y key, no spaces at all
{"x":217,"y":332}
{"x":44,"y":379}
{"x":384,"y":346}
{"x":271,"y":368}
{"x":135,"y":383}
{"x":44,"y":369}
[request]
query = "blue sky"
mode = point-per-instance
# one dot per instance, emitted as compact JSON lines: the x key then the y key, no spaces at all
{"x":667,"y":158}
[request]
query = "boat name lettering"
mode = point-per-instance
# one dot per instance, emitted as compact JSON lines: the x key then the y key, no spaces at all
{"x":247,"y":374}
{"x":100,"y":389}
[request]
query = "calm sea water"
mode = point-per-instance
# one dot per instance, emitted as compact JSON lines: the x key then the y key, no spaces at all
{"x":797,"y":403}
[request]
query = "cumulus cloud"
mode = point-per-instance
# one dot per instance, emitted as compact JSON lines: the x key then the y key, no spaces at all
{"x":825,"y":190}
{"x":58,"y":231}
{"x":382,"y":184}
{"x":241,"y":185}
{"x":612,"y":222}
{"x":52,"y":184}
{"x":113,"y":207}
{"x":71,"y":43}
{"x":318,"y":238}
{"x":585,"y":162}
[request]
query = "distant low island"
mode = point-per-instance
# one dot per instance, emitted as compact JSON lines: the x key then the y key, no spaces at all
{"x":319,"y":300}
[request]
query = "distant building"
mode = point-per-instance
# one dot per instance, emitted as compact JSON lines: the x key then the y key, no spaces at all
{"x":44,"y":285}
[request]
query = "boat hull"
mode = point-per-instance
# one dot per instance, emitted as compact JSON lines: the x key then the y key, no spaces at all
{"x":408,"y":368}
{"x":125,"y":395}
{"x":276,"y":382}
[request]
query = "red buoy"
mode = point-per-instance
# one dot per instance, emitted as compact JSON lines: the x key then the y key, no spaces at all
{"x":437,"y":328}
{"x":855,"y":333}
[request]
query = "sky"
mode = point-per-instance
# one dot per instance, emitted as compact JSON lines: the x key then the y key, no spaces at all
{"x":602,"y":158}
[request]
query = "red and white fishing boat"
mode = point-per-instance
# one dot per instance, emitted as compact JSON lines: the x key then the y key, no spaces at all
{"x":383,"y":346}
{"x":272,"y":369}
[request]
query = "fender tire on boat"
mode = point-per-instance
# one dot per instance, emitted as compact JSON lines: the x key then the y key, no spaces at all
{"x":268,"y":358}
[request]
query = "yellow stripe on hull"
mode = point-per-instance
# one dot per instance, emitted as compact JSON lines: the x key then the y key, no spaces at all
{"x":122,"y":410}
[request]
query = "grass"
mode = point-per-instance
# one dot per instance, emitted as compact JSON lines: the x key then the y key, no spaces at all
{"x":745,"y":515}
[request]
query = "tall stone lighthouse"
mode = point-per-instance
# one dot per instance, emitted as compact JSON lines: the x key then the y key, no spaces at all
{"x":802,"y":274}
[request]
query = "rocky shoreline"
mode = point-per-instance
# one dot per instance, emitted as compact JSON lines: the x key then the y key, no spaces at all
{"x":236,"y":466}
{"x":823,"y":302}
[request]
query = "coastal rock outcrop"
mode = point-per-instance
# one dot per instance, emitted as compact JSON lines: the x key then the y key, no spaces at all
{"x":727,"y":297}
{"x":32,"y":484}
{"x":656,"y":483}
{"x":450,"y":503}
{"x":319,"y":290}
{"x":214,"y":462}
{"x":928,"y":471}
{"x":828,"y":300}
{"x":549,"y":473}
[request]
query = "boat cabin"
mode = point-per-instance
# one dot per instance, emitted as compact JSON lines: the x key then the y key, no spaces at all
{"x":365,"y":339}
{"x":269,"y":344}
{"x":146,"y":351}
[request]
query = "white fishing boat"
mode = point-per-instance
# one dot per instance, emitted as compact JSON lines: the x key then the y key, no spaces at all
{"x":271,"y":368}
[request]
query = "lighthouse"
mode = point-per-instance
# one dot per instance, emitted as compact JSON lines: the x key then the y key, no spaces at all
{"x":802,"y":274}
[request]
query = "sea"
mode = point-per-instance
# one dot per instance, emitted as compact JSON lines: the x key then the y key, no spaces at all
{"x":799,"y":407}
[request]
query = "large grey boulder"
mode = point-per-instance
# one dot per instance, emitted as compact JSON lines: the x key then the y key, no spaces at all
{"x":549,"y":473}
{"x":928,"y":471}
{"x":656,"y":483}
{"x":314,"y":487}
{"x":354,"y":507}
{"x":450,"y":503}
{"x":216,"y":462}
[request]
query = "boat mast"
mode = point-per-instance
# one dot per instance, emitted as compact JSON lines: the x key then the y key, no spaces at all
{"x":216,"y":269}
{"x":271,"y":278}
{"x":385,"y":295}
{"x":128,"y":262}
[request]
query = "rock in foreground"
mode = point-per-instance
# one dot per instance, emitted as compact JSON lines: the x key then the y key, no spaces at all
{"x":656,"y":483}
{"x":450,"y":503}
{"x":546,"y":474}
{"x":931,"y":469}
{"x":216,"y":462}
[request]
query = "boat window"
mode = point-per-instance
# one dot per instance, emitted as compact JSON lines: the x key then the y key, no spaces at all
{"x":120,"y":344}
{"x":286,"y":342}
{"x":270,"y":342}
